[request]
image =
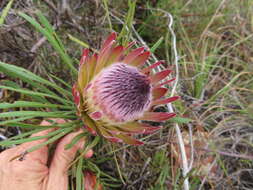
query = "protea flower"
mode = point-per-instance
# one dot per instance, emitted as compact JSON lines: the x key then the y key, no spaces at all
{"x":115,"y":92}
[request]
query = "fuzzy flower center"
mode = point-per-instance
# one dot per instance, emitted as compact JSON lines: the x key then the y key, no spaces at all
{"x":122,"y":92}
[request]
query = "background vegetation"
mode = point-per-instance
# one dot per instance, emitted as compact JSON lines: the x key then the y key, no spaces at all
{"x":214,"y":43}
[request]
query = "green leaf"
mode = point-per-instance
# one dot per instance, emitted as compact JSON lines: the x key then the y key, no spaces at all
{"x":21,"y":104}
{"x":63,"y":82}
{"x":37,"y":87}
{"x":51,"y":37}
{"x":79,"y":174}
{"x":88,"y":146}
{"x":180,"y":120}
{"x":124,"y":34}
{"x":30,"y":78}
{"x":5,"y":12}
{"x":74,"y":39}
{"x":28,"y":133}
{"x":156,"y":45}
{"x":50,"y":29}
{"x":51,"y":140}
{"x":9,"y":142}
{"x":3,"y":123}
{"x":56,"y":114}
{"x":24,"y":125}
{"x":75,"y":140}
{"x":107,"y":12}
{"x":39,"y":94}
{"x":10,"y":84}
{"x":16,"y":123}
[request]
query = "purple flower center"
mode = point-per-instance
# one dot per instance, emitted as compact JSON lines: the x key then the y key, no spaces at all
{"x":123,"y":92}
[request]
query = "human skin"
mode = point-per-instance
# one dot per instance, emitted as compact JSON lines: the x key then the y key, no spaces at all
{"x":33,"y":172}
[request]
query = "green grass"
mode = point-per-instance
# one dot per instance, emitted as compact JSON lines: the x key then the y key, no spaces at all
{"x":214,"y":41}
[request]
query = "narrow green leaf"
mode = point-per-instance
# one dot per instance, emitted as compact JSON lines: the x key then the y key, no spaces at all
{"x":107,"y":13}
{"x":52,"y":40}
{"x":19,"y":104}
{"x":43,"y":20}
{"x":74,"y":39}
{"x":10,"y":84}
{"x":180,"y":120}
{"x":88,"y":146}
{"x":57,"y":114}
{"x":24,"y":125}
{"x":51,"y":140}
{"x":5,"y":12}
{"x":28,"y":133}
{"x":79,"y":174}
{"x":156,"y":45}
{"x":4,"y":123}
{"x":35,"y":98}
{"x":32,"y":93}
{"x":75,"y":140}
{"x":63,"y":82}
{"x":30,"y":78}
{"x":13,"y":123}
{"x":9,"y":142}
{"x":99,"y":172}
{"x":128,"y":22}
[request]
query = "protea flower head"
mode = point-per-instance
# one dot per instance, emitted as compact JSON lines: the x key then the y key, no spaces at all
{"x":115,"y":92}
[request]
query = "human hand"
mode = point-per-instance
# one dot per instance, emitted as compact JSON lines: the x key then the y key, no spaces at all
{"x":32,"y":173}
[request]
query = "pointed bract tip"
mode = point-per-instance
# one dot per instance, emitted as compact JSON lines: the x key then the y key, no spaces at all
{"x":148,"y":69}
{"x":114,"y":139}
{"x":151,"y":130}
{"x":160,"y":76}
{"x":165,"y":101}
{"x":85,"y":54}
{"x":92,"y":131}
{"x":110,"y":38}
{"x":138,"y":143}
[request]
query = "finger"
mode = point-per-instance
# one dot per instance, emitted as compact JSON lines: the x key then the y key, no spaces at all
{"x":62,"y":159}
{"x":89,"y":154}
